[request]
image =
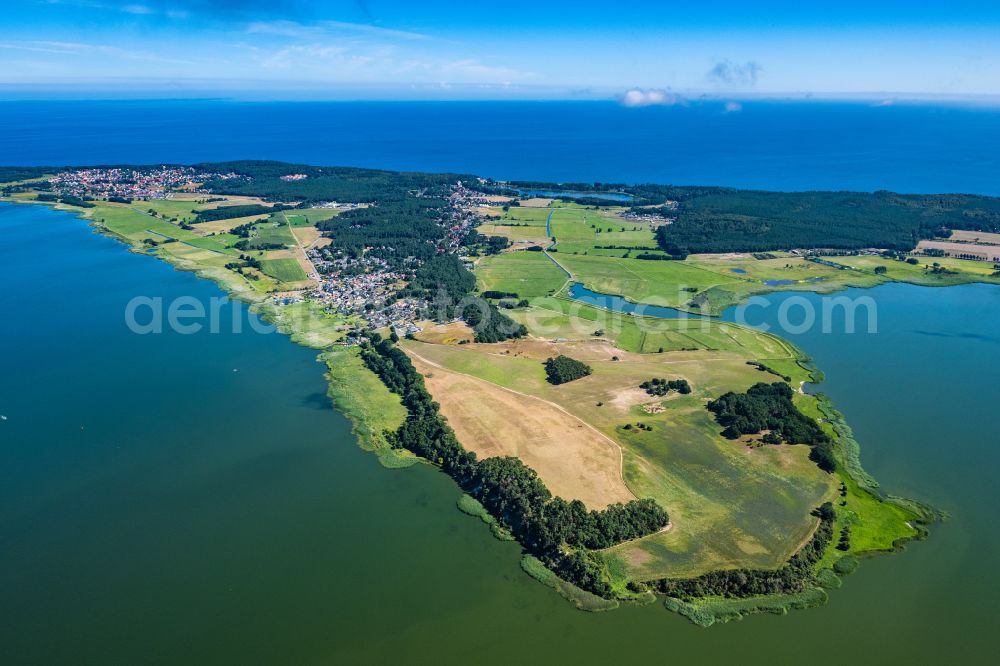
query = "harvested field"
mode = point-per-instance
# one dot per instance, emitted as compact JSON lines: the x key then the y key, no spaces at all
{"x":537,"y":202}
{"x":981,"y":237}
{"x":574,"y":460}
{"x":306,"y":236}
{"x":730,"y":505}
{"x":446,"y":334}
{"x":963,"y":250}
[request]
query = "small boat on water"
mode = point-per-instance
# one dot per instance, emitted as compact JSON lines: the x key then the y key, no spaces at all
{"x":2,"y":417}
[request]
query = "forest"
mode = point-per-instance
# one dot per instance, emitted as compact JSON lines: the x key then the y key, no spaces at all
{"x":720,"y":219}
{"x":755,"y":221}
{"x":262,"y":178}
{"x":13,"y":174}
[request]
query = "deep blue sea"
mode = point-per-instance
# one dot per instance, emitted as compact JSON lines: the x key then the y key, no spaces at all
{"x":188,"y":499}
{"x":767,"y":145}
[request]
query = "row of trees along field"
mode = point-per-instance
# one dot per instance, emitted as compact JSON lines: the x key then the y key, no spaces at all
{"x":770,"y":407}
{"x":793,"y":577}
{"x":561,"y":533}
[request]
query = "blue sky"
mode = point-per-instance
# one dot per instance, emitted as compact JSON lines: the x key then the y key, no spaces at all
{"x":515,"y":48}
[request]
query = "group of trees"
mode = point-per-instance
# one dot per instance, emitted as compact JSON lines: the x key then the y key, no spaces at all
{"x":489,"y":245}
{"x":546,"y":526}
{"x":764,"y":368}
{"x":770,"y":407}
{"x":740,"y":583}
{"x":445,"y":280}
{"x":765,"y":407}
{"x":12,"y":174}
{"x":562,"y":369}
{"x":489,"y":324}
{"x":67,"y":199}
{"x":660,"y":387}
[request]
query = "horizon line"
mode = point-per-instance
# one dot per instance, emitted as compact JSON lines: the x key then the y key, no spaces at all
{"x":315,"y":91}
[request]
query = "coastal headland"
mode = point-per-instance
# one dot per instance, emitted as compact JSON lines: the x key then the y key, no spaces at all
{"x":437,"y":302}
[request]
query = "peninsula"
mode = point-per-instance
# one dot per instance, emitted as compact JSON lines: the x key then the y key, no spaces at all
{"x":662,"y":454}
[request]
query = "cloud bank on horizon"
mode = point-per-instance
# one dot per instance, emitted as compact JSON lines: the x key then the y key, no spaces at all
{"x":658,"y":53}
{"x":655,"y":97}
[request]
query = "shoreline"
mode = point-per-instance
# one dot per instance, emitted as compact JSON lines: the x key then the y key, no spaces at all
{"x":352,"y":405}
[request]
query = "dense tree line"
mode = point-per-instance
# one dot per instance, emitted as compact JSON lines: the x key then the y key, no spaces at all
{"x":650,"y":256}
{"x":67,"y":199}
{"x":263,"y":178}
{"x":12,"y":174}
{"x":232,"y":212}
{"x":794,"y":576}
{"x":755,"y":221}
{"x":511,"y":491}
{"x":562,"y":369}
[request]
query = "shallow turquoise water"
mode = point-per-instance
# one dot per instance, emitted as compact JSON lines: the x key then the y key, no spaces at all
{"x":157,"y":507}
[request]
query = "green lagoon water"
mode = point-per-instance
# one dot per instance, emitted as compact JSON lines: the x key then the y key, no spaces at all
{"x":158,"y":507}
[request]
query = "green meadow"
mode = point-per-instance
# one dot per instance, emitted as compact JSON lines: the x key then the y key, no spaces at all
{"x":528,"y":274}
{"x":519,"y":223}
{"x":283,"y":270}
{"x":579,"y":230}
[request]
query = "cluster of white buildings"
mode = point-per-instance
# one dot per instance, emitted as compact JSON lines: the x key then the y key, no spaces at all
{"x":370,"y":294}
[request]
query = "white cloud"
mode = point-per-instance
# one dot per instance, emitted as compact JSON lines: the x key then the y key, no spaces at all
{"x":653,"y":97}
{"x":733,"y":107}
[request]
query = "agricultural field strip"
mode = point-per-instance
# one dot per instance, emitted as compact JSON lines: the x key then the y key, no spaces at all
{"x":300,"y":251}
